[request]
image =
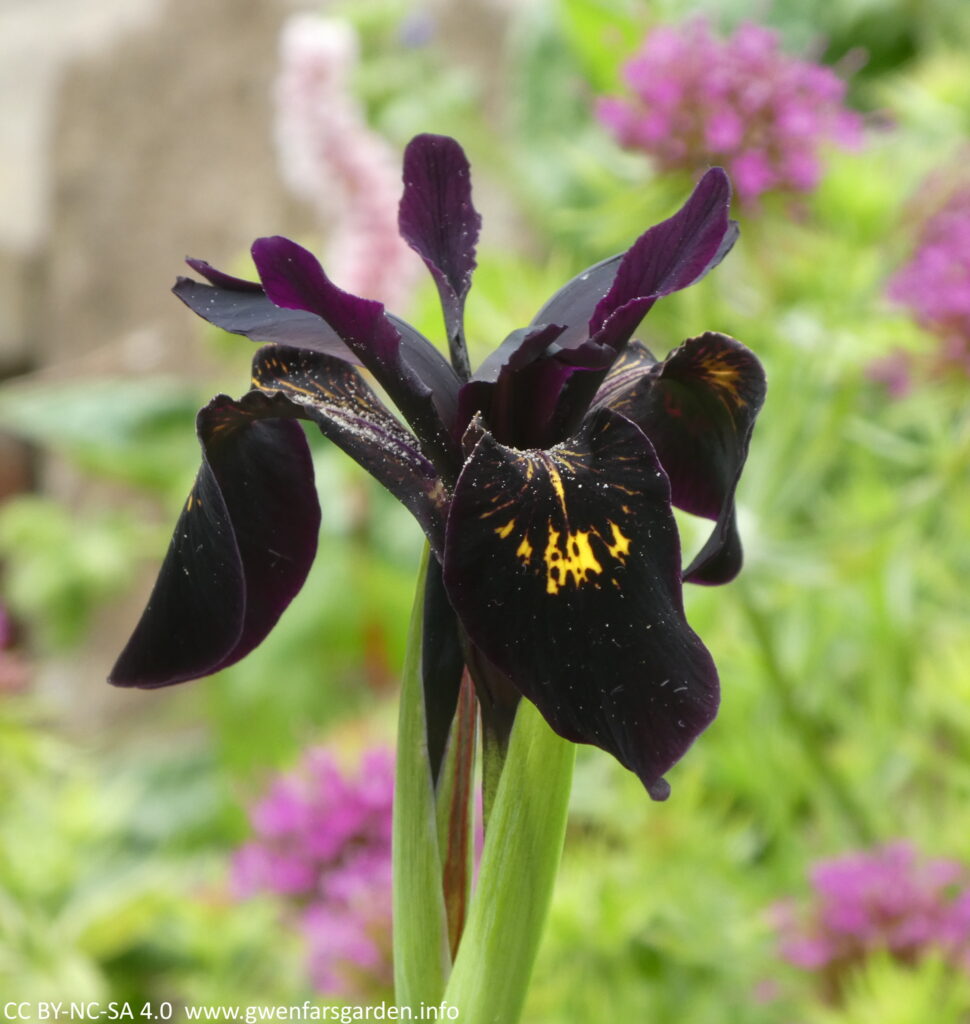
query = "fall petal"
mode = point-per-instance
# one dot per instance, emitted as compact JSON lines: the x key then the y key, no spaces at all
{"x":564,"y":568}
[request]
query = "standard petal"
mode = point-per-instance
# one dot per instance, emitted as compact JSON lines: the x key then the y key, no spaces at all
{"x":294,"y":279}
{"x":241,"y":550}
{"x":698,"y":407}
{"x":333,"y":395}
{"x":668,"y":257}
{"x":437,"y":219}
{"x":573,"y":305}
{"x":564,"y":568}
{"x":241,"y":307}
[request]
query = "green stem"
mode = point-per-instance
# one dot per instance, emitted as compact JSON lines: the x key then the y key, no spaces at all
{"x":523,"y":846}
{"x":803,"y":727}
{"x":421,"y":956}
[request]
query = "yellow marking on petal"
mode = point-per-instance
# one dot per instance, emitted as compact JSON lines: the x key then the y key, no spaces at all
{"x":524,"y":550}
{"x":723,"y":373}
{"x":620,"y":547}
{"x":288,"y":385}
{"x":504,"y":531}
{"x":557,"y":485}
{"x":575,"y":560}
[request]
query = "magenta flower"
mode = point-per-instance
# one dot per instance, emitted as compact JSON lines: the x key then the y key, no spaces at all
{"x":889,"y":900}
{"x":739,"y":102}
{"x":935,"y":283}
{"x":323,"y":843}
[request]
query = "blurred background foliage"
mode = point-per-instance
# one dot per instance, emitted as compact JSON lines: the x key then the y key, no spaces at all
{"x":843,"y":649}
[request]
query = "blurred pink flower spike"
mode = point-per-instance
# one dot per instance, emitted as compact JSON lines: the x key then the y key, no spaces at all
{"x":739,"y":102}
{"x":323,"y":843}
{"x":935,"y":284}
{"x":330,"y":158}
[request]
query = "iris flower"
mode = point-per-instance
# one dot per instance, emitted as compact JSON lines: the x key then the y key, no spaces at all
{"x":544,"y":481}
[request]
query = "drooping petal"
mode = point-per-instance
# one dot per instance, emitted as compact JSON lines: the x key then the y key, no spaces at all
{"x":241,"y":550}
{"x":698,"y":407}
{"x":668,"y":257}
{"x":241,"y":307}
{"x":564,"y":568}
{"x":294,"y":279}
{"x":437,"y":219}
{"x":332,"y":394}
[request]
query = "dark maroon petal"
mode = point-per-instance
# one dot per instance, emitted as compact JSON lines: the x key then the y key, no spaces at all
{"x":222,"y":279}
{"x":442,"y":664}
{"x":517,"y":388}
{"x":573,"y":305}
{"x":294,"y":279}
{"x":251,"y":314}
{"x":240,"y":553}
{"x":564,"y":568}
{"x":668,"y":257}
{"x":333,"y":395}
{"x":437,"y":219}
{"x":698,"y":407}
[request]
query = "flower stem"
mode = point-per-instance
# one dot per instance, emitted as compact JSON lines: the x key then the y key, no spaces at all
{"x":523,"y":845}
{"x":421,"y":958}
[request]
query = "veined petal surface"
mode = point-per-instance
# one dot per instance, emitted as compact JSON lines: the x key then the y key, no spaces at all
{"x":666,"y":258}
{"x":437,"y":219}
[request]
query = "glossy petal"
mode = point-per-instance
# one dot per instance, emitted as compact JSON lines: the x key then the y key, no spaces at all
{"x":240,"y":553}
{"x":241,"y":307}
{"x":294,"y":279}
{"x":573,"y":305}
{"x":437,"y":219}
{"x":698,"y":407}
{"x":334,"y":396}
{"x":564,"y":567}
{"x":668,"y":257}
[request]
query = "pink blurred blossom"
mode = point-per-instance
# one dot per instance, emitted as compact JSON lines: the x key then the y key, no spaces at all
{"x":739,"y":102}
{"x":322,"y":842}
{"x":329,"y":157}
{"x":889,"y":900}
{"x":935,"y":283}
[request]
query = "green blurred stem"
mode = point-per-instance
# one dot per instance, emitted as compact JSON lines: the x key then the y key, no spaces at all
{"x":803,"y":727}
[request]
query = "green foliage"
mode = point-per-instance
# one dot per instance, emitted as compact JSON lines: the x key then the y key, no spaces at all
{"x":59,"y":567}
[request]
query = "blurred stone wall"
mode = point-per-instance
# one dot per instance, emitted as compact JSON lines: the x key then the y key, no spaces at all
{"x":134,"y":132}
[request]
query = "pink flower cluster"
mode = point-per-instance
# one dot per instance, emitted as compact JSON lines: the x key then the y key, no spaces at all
{"x":329,"y":157}
{"x":323,"y":843}
{"x":935,"y":283}
{"x":739,"y":102}
{"x":890,"y":900}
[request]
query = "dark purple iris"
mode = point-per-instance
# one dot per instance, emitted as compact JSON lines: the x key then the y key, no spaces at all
{"x":543,"y":481}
